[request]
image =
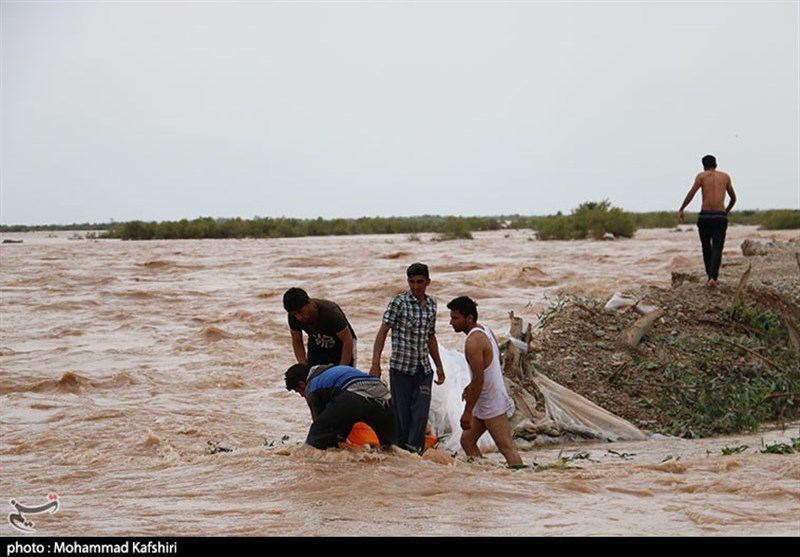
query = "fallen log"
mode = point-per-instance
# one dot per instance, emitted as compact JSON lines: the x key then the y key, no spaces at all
{"x":634,"y":334}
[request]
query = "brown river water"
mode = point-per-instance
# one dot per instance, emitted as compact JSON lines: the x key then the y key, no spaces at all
{"x":123,"y":363}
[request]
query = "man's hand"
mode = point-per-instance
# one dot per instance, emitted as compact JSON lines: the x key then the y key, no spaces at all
{"x":439,"y":376}
{"x":375,"y":369}
{"x":680,"y":216}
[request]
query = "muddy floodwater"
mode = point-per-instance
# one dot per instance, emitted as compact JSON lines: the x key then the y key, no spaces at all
{"x":142,"y":382}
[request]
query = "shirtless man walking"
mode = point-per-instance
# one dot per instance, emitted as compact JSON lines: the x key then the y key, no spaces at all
{"x":712,"y":222}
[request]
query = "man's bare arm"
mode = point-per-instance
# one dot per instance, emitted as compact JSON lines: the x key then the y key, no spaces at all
{"x":433,"y":350}
{"x":347,"y":346}
{"x":689,"y":196}
{"x":732,"y":195}
{"x":298,"y":347}
{"x":474,"y":354}
{"x":377,"y":350}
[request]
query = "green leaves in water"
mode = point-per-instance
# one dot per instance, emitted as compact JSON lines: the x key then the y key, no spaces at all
{"x":783,"y":448}
{"x":212,"y":447}
{"x":563,"y":462}
{"x":734,"y":450}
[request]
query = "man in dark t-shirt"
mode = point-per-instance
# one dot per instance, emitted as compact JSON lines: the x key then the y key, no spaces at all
{"x":331,"y":338}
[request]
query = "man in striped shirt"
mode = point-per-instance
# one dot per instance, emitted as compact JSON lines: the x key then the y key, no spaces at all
{"x":411,"y":316}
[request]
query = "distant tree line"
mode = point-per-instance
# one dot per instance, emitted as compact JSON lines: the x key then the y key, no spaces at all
{"x":446,"y":227}
{"x":589,"y":220}
{"x":100,"y":227}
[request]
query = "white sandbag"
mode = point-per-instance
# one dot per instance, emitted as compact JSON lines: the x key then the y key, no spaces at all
{"x":576,"y":414}
{"x":619,"y":302}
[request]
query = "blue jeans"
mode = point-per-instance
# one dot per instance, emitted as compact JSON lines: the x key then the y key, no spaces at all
{"x":411,"y":402}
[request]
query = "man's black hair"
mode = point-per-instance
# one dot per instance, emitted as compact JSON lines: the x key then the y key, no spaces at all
{"x":294,"y":299}
{"x":417,"y":269}
{"x":709,"y":162}
{"x":295,"y":374}
{"x":464,"y":305}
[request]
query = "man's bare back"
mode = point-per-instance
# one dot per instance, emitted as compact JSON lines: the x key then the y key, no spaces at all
{"x":714,"y":184}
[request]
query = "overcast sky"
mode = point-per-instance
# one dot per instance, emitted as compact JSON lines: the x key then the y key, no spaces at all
{"x":156,"y":110}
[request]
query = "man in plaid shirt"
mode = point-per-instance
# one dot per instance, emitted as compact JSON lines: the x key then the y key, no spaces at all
{"x":411,"y":316}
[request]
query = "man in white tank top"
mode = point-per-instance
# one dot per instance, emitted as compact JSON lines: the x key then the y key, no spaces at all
{"x":486,"y":398}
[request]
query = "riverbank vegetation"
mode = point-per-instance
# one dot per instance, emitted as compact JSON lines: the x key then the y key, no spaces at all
{"x":730,"y":371}
{"x":589,"y":220}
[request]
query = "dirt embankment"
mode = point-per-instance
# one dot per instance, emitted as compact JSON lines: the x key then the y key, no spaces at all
{"x":582,"y":346}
